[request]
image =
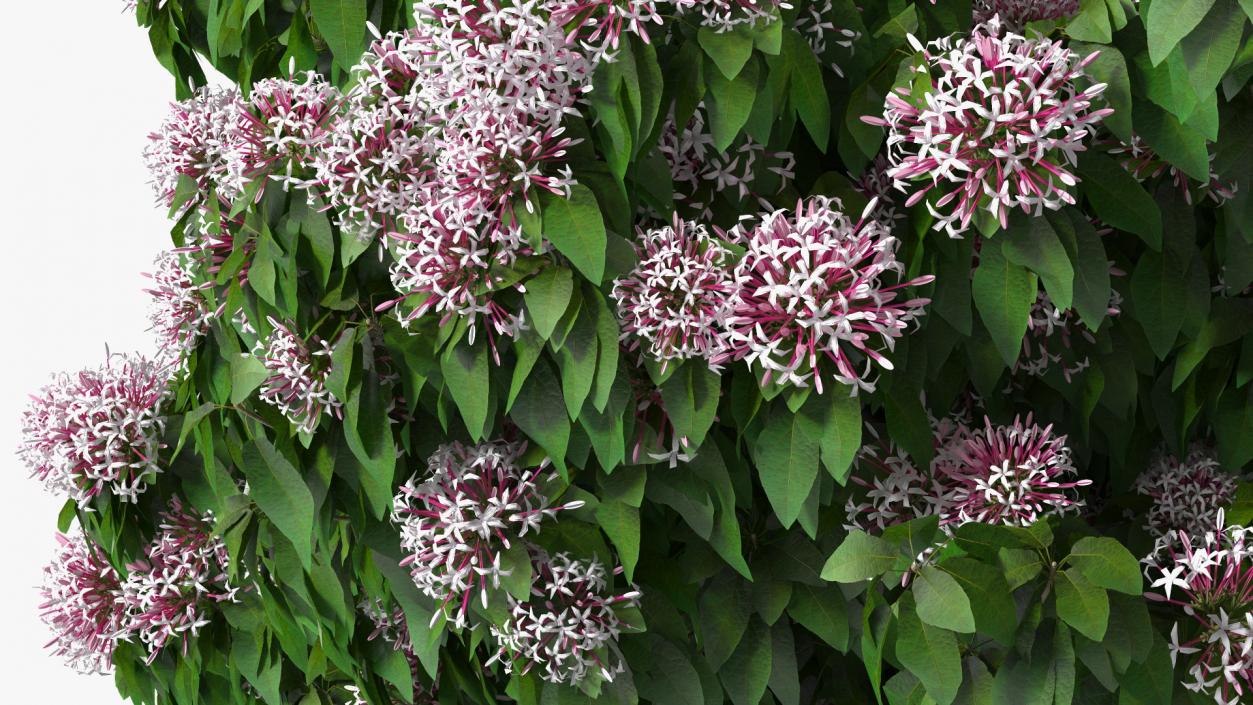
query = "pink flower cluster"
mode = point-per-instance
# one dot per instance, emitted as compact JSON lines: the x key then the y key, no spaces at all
{"x":1144,"y":164}
{"x":814,"y":284}
{"x":1209,"y":577}
{"x":184,"y":571}
{"x":98,"y":428}
{"x":179,"y":311}
{"x":569,"y":627}
{"x":1012,"y":475}
{"x":201,"y":138}
{"x":82,"y":604}
{"x":286,"y":124}
{"x":598,"y":24}
{"x":677,"y":298}
{"x":457,"y":522}
{"x":998,"y":128}
{"x":1016,"y":13}
{"x":296,"y":385}
{"x":1187,"y":494}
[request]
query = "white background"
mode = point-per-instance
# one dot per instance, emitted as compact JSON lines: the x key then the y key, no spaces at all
{"x":82,"y":91}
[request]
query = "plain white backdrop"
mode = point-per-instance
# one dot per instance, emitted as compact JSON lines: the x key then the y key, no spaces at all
{"x":82,"y":91}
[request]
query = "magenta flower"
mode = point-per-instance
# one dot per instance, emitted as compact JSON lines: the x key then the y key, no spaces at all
{"x":678,"y":297}
{"x":1051,"y":333}
{"x":998,"y":129}
{"x":286,"y":124}
{"x":179,"y":311}
{"x":1017,"y":13}
{"x":813,"y":284}
{"x":1210,"y":577}
{"x":1187,"y":494}
{"x":184,"y":572}
{"x":569,"y":628}
{"x":1144,"y":164}
{"x":98,"y":429}
{"x":455,"y":524}
{"x":297,"y":382}
{"x":1011,"y":475}
{"x":598,"y":25}
{"x":82,"y":605}
{"x":203,"y":138}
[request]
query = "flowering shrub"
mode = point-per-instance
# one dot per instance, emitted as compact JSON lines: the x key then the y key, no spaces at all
{"x":570,"y":351}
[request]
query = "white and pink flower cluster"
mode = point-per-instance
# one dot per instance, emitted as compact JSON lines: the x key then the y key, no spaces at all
{"x":164,"y":596}
{"x":1051,"y":337}
{"x":98,"y":429}
{"x":456,"y":523}
{"x":1208,"y":575}
{"x":1016,"y":13}
{"x":725,"y":15}
{"x":286,"y":123}
{"x":999,"y":126}
{"x":296,"y":384}
{"x":812,"y":285}
{"x":569,"y":627}
{"x":1012,"y":475}
{"x":1187,"y":494}
{"x":179,"y":311}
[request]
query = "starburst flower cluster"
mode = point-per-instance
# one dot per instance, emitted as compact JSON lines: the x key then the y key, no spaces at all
{"x":201,"y":138}
{"x":1017,"y":13}
{"x":98,"y":428}
{"x":814,"y":284}
{"x":474,"y":504}
{"x":896,"y":491}
{"x":1187,"y":494}
{"x":598,"y":24}
{"x":726,"y":15}
{"x":569,"y":628}
{"x":1051,"y":333}
{"x":296,"y":385}
{"x":1145,"y":164}
{"x":185,"y":570}
{"x":285,"y":125}
{"x":676,"y":300}
{"x":1209,"y":577}
{"x":1011,"y":475}
{"x":82,"y":604}
{"x":999,"y":127}
{"x":179,"y":312}
{"x":391,"y":627}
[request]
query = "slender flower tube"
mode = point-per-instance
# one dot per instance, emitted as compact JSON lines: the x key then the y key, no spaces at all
{"x":179,"y":312}
{"x":285,"y":125}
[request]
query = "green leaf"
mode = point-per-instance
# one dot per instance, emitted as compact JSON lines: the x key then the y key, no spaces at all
{"x":821,"y":610}
{"x":729,"y":50}
{"x":1119,"y":199}
{"x":746,"y":674}
{"x":806,"y":89}
{"x":730,"y":102}
{"x":860,"y":557}
{"x":787,"y":462}
{"x":1107,"y":563}
{"x":1158,"y":288}
{"x":725,"y":610}
{"x":942,"y":602}
{"x":575,"y":228}
{"x":1110,"y":68}
{"x":577,"y":360}
{"x":368,"y":433}
{"x":466,"y":376}
{"x":991,"y":600}
{"x":670,"y":678}
{"x":1209,"y":49}
{"x":1081,"y":604}
{"x":928,"y":652}
{"x":342,"y":24}
{"x":247,"y":373}
{"x":691,"y":397}
{"x":841,"y":434}
{"x":1169,"y":21}
{"x":540,"y":412}
{"x":1003,"y":293}
{"x":784,"y":676}
{"x":621,"y":523}
{"x":1087,"y":255}
{"x":547,"y":297}
{"x":281,"y":494}
{"x":1035,"y":245}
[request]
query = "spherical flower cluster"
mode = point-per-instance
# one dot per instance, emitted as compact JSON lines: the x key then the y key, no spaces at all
{"x":202,"y":138}
{"x":285,"y":125}
{"x":1144,"y":164}
{"x":1016,"y":13}
{"x":598,"y":24}
{"x":297,"y":382}
{"x":458,"y":521}
{"x":998,"y":129}
{"x":1187,"y":494}
{"x":1210,"y":577}
{"x":185,"y":570}
{"x":1050,"y":334}
{"x":815,"y":284}
{"x":1011,"y":475}
{"x":677,"y":298}
{"x":82,"y":604}
{"x":98,"y":428}
{"x":179,"y":311}
{"x":725,"y":15}
{"x":569,"y":628}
